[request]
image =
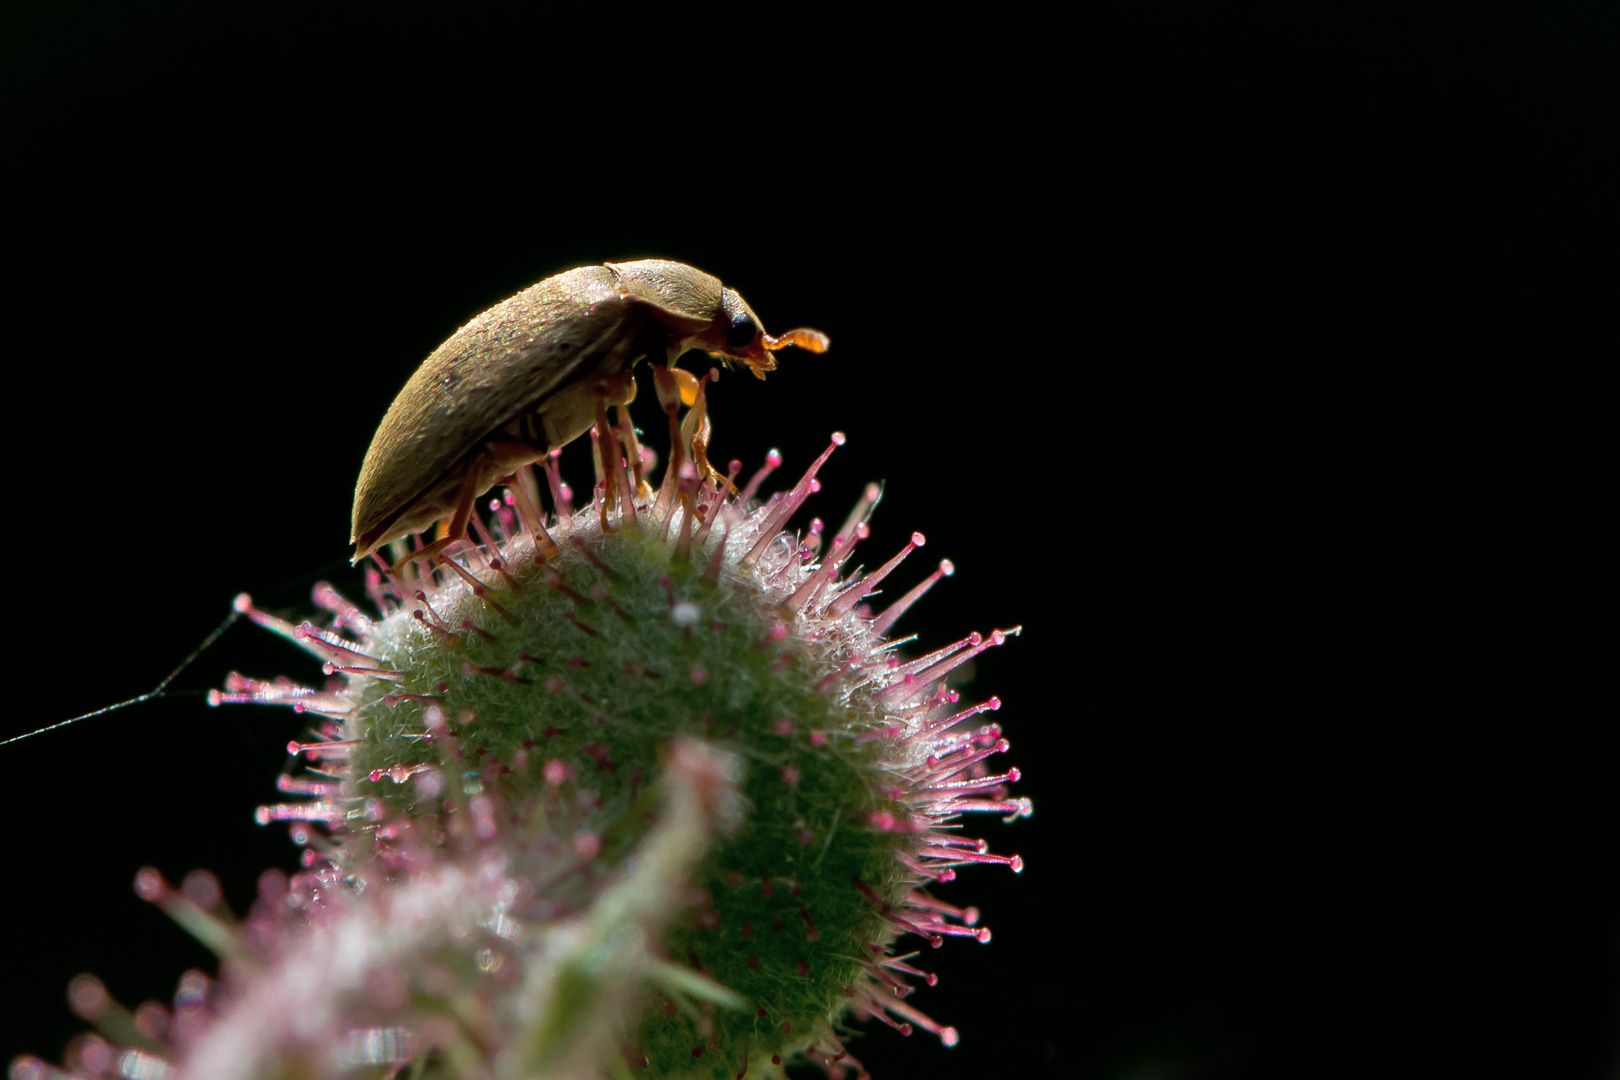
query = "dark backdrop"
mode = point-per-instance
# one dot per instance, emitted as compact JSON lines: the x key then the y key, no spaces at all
{"x":1238,"y":357}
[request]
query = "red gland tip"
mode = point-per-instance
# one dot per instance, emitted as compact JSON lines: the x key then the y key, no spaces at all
{"x":149,"y":884}
{"x":88,"y":998}
{"x":202,"y":888}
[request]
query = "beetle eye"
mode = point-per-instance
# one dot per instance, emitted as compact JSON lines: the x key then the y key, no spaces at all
{"x":742,"y":332}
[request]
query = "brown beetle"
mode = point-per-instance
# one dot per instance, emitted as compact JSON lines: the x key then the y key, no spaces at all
{"x":525,"y":377}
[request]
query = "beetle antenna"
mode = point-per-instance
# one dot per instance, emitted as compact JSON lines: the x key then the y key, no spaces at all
{"x":803,"y":337}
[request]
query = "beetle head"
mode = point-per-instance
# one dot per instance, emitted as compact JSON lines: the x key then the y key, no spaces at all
{"x":741,"y":337}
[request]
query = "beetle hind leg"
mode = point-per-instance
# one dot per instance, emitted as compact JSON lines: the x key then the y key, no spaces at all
{"x":499,"y":457}
{"x":459,"y":520}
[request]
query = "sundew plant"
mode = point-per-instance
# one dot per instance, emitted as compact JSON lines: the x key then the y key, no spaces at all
{"x":635,"y":785}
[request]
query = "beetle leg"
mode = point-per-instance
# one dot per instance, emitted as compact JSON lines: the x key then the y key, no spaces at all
{"x":500,"y":456}
{"x":632,"y":445}
{"x":526,"y":493}
{"x":462,"y":516}
{"x":696,"y":431}
{"x":613,"y":470}
{"x":688,"y":384}
{"x":669,"y":399}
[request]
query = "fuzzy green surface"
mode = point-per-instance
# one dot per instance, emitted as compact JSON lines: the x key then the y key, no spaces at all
{"x":625,"y":691}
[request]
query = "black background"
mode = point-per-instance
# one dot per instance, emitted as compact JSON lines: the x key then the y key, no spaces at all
{"x":1240,"y":356}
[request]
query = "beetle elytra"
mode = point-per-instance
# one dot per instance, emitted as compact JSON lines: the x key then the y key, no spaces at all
{"x":528,"y":375}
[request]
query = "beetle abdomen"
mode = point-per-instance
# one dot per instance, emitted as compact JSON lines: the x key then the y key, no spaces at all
{"x":505,"y":362}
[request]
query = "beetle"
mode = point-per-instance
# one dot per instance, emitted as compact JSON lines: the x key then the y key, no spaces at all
{"x":525,"y":377}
